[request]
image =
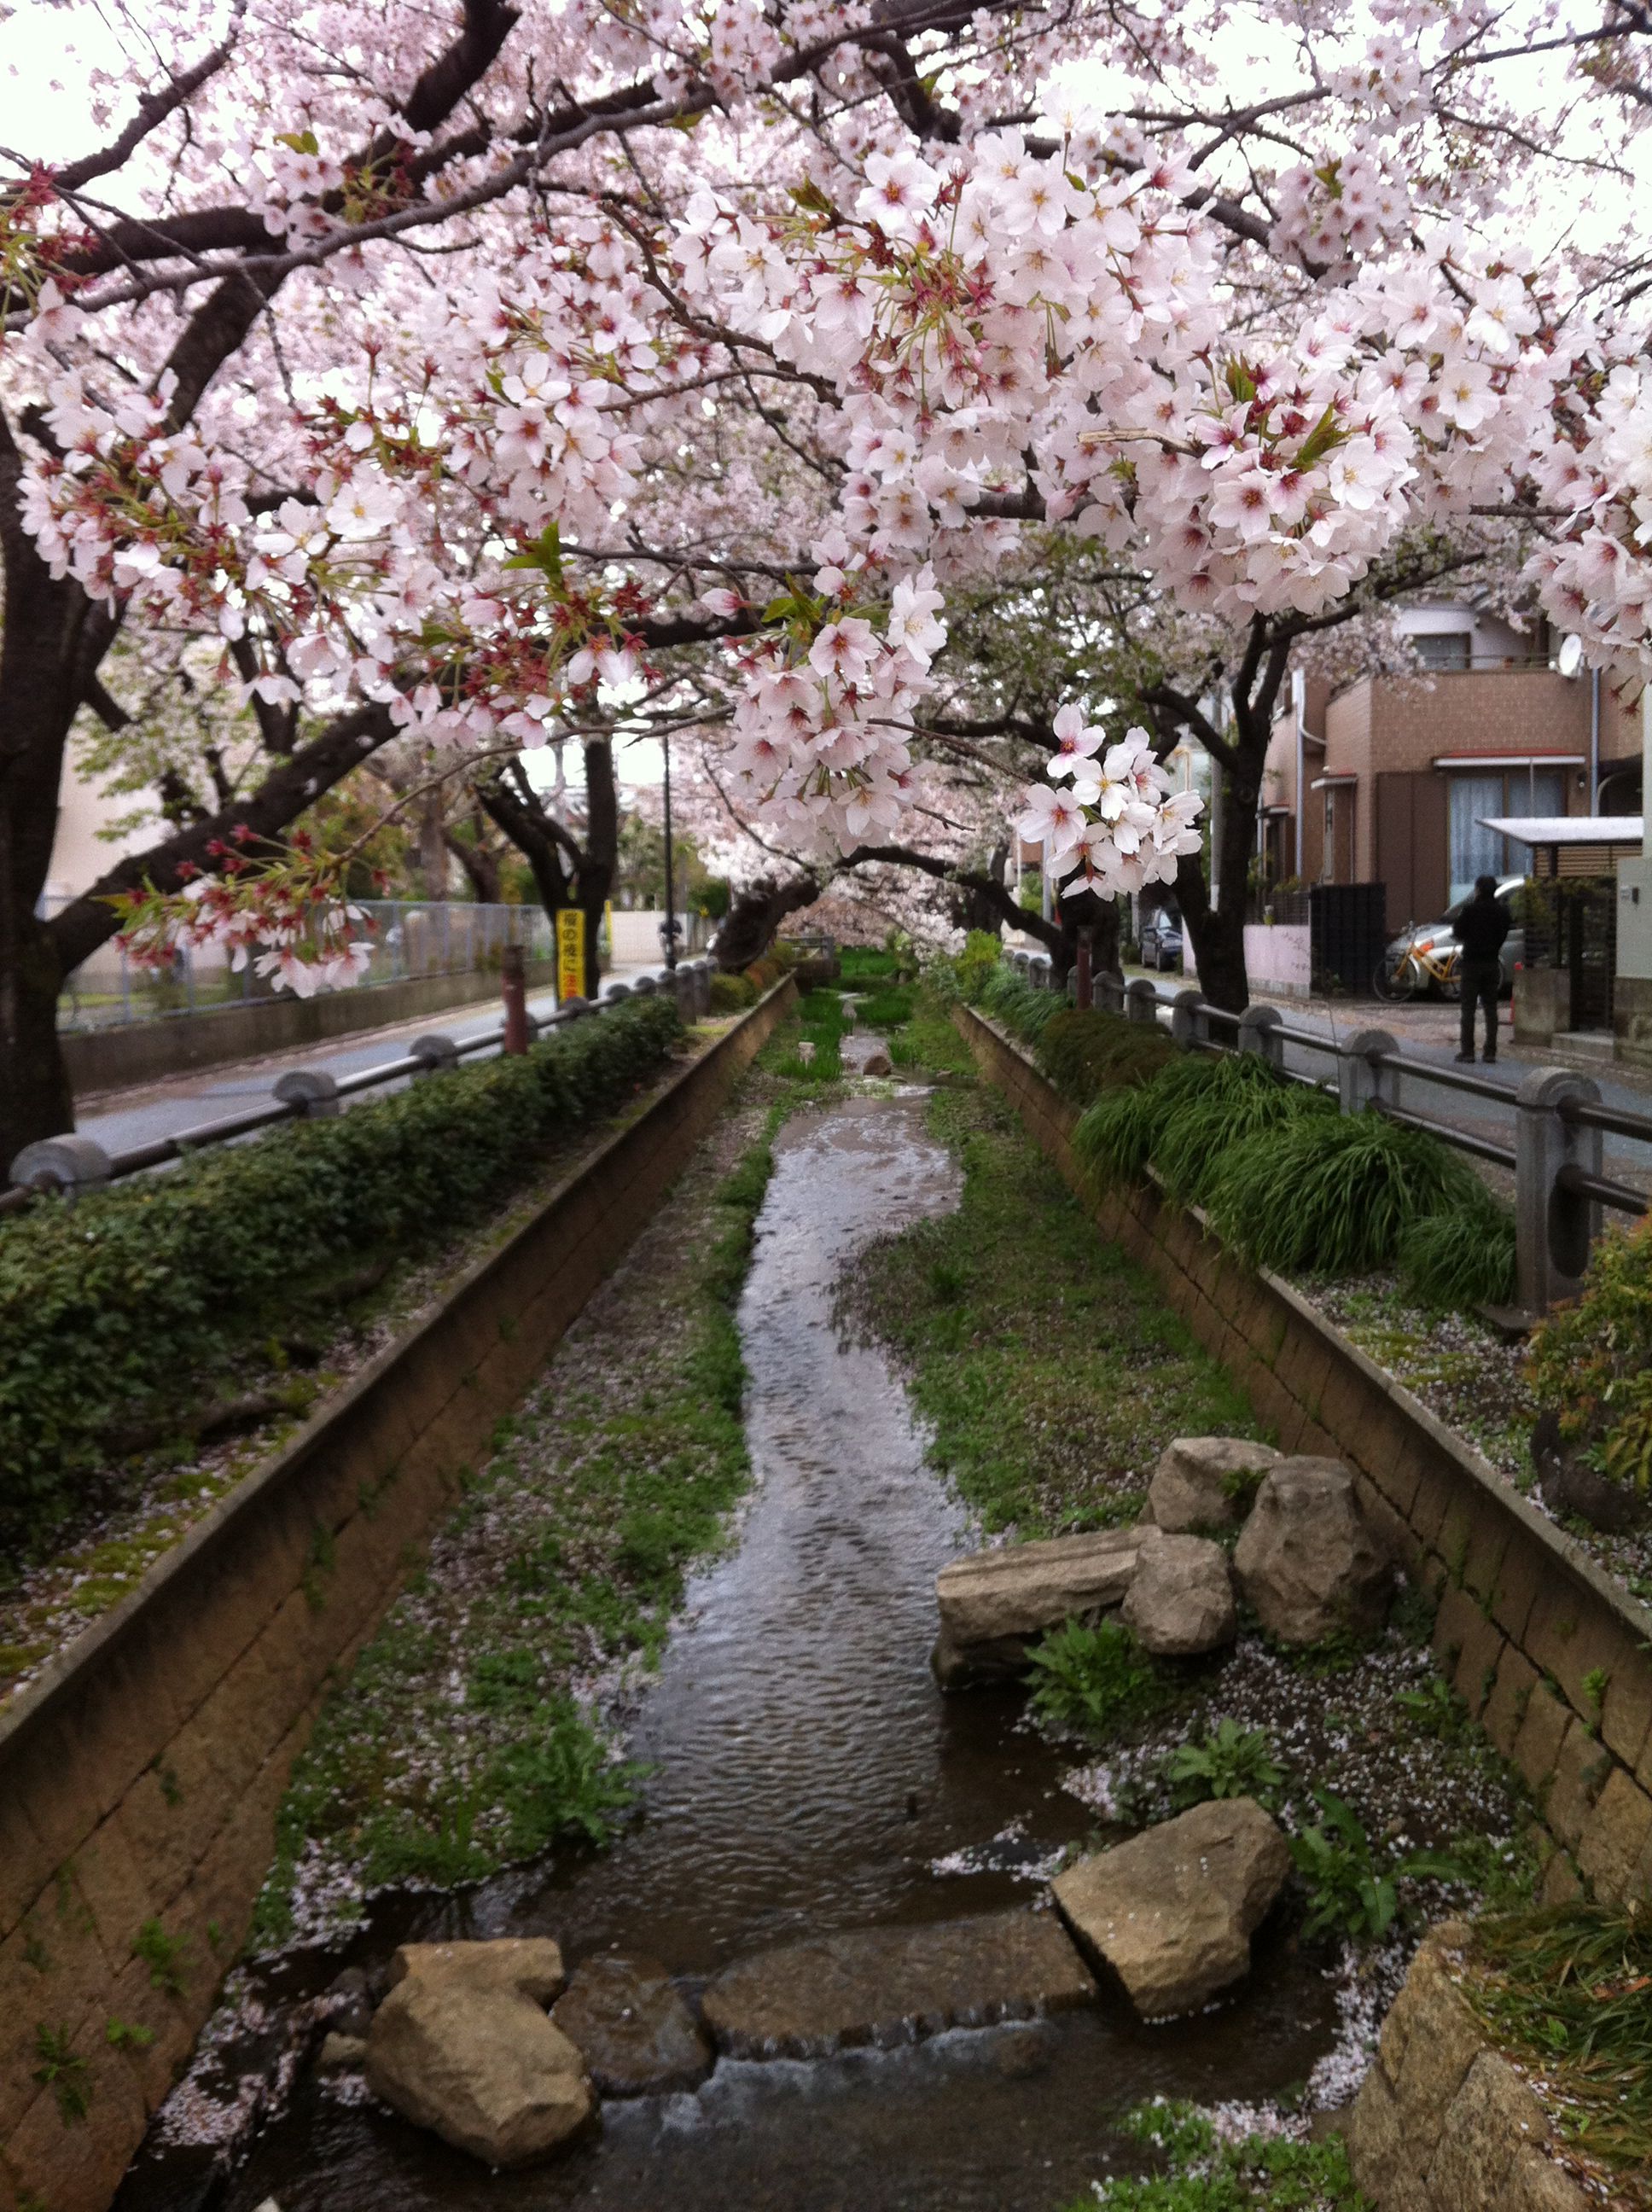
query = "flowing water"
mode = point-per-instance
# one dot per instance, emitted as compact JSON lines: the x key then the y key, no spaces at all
{"x":807,"y":1779}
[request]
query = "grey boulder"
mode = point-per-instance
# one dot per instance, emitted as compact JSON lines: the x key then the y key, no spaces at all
{"x":1307,"y":1561}
{"x":1180,"y":1602}
{"x":1172,"y":1912}
{"x":462,"y":2045}
{"x":1204,"y":1483}
{"x":637,"y":2036}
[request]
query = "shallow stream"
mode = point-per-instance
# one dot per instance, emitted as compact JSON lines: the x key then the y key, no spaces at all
{"x":807,"y":1779}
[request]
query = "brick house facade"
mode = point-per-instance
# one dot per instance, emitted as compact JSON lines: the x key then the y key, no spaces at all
{"x":1399,"y":770}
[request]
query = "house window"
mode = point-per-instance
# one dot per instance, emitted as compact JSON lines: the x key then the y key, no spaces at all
{"x":1478,"y":851}
{"x":1443,"y":648}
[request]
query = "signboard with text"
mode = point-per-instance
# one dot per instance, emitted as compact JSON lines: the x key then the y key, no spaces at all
{"x":570,"y":954}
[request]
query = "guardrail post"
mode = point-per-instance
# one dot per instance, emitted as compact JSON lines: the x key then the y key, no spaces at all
{"x":613,"y":990}
{"x":69,"y":1164}
{"x":1140,"y":1000}
{"x":1110,"y":990}
{"x":1190,"y":1023}
{"x":1257,"y":1025}
{"x":642,"y":987}
{"x":1553,"y":1227}
{"x":1359,"y":1079}
{"x":311,"y":1092}
{"x":438,"y":1052}
{"x":514,"y":984}
{"x":573,"y":1006}
{"x":1040,"y":970}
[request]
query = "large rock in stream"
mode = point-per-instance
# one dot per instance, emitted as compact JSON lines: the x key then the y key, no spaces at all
{"x":462,"y":2045}
{"x":992,"y":1604}
{"x":1173,"y":1910}
{"x":1307,"y":1560}
{"x":1203,"y":1485}
{"x":890,"y":1985}
{"x":1180,"y":1602}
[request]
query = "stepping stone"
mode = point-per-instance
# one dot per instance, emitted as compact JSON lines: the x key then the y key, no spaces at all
{"x":893,"y":1985}
{"x":992,"y":1603}
{"x":638,"y":2037}
{"x":1173,"y":1910}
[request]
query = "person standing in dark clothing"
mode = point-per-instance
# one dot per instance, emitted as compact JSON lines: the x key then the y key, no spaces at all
{"x":1481,"y":927}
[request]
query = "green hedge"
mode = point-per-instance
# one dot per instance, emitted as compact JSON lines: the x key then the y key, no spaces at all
{"x":127,"y":1306}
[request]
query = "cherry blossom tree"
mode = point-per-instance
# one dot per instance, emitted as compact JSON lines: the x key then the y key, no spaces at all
{"x":461,"y":374}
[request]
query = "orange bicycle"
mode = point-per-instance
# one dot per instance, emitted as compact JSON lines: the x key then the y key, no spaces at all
{"x":1418,"y":968}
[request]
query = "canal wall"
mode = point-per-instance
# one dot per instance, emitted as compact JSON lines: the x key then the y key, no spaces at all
{"x":1552,"y":1655}
{"x":141,"y":1775}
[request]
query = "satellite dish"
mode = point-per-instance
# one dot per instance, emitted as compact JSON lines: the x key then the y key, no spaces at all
{"x":1570,"y":658}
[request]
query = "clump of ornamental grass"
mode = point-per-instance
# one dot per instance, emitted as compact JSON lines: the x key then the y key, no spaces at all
{"x":1085,"y":1051}
{"x":1333,"y":1195}
{"x":1011,"y":1002}
{"x":1568,"y":1988}
{"x":1115,"y":1138}
{"x":1247,"y":1099}
{"x":1462,"y":1259}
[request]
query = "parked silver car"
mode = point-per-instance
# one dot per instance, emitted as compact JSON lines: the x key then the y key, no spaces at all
{"x":1422,"y":961}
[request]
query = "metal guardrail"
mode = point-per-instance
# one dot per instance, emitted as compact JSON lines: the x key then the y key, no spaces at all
{"x":70,"y":1164}
{"x":1560,"y":1118}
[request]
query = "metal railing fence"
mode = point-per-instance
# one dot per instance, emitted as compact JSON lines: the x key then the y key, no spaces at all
{"x":1559,"y":1120}
{"x":71,"y":1165}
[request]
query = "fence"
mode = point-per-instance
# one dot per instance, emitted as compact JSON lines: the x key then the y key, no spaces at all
{"x":1559,"y":1119}
{"x":72,"y":1163}
{"x":411,"y":936}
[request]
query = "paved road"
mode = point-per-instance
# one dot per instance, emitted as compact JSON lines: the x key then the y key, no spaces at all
{"x":164,"y":1109}
{"x":1430,"y":1033}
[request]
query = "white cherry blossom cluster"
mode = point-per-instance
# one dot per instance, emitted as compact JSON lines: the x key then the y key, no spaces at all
{"x":822,"y":726}
{"x":1117,"y":825}
{"x":1598,"y":581}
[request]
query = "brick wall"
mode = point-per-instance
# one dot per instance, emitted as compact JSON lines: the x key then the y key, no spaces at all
{"x":140,"y":1777}
{"x":1528,"y":1629}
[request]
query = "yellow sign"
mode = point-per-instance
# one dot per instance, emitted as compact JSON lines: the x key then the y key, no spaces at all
{"x":570,"y":954}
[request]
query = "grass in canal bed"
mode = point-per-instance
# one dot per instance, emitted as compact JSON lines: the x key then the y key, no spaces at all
{"x":1048,"y":1369}
{"x":462,"y":1740}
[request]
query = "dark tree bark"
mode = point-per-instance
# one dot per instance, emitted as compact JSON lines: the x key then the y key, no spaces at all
{"x":52,"y":638}
{"x":754,"y":919}
{"x":565,"y":872}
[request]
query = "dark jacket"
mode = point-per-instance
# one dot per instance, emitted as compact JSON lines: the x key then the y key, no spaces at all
{"x":1481,"y":927}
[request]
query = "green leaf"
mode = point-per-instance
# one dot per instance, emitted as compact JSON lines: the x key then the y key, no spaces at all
{"x":545,"y":554}
{"x":1324,"y":438}
{"x":301,"y":142}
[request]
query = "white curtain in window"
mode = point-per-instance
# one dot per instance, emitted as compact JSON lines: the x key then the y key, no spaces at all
{"x":1475,"y":851}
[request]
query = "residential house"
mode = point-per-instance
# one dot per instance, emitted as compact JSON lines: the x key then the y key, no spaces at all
{"x":1390,"y":779}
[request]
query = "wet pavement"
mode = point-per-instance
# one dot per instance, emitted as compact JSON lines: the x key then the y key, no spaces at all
{"x":807,"y":1779}
{"x":119,"y":1121}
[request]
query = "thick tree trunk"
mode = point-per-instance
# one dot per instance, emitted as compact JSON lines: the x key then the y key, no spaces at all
{"x":1218,"y":932}
{"x":754,"y":918}
{"x":44,"y":625}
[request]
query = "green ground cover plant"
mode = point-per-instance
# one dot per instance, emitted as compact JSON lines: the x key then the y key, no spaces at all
{"x":1092,"y":1680}
{"x":135,"y":1302}
{"x":568,"y":1551}
{"x":1568,"y":1989}
{"x":1591,"y":1361}
{"x":1230,"y":1762}
{"x":1205,"y":2171}
{"x":1050,"y":1373}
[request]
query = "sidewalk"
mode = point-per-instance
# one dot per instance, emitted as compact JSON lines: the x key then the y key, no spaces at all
{"x":120,"y":1120}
